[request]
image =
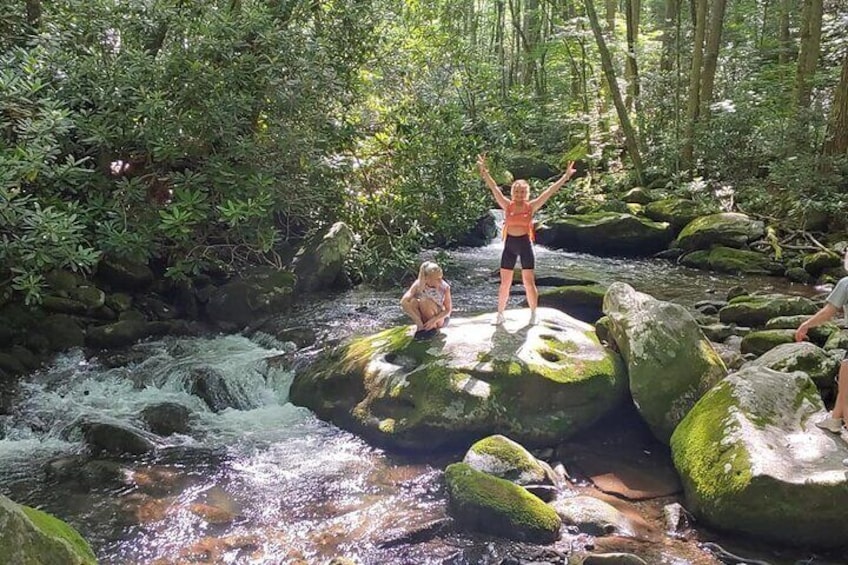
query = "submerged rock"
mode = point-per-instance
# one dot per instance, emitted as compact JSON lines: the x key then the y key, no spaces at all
{"x":592,"y":516}
{"x":753,"y":462}
{"x":501,"y":457}
{"x":536,"y":384}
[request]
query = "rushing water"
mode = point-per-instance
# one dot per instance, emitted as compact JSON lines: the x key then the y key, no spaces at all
{"x":270,"y":483}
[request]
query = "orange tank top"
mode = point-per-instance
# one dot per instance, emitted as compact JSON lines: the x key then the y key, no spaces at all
{"x":515,"y":217}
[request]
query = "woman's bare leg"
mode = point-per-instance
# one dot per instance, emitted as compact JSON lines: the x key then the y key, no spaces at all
{"x":840,"y":407}
{"x":503,"y":291}
{"x":528,"y":277}
{"x":412,"y":309}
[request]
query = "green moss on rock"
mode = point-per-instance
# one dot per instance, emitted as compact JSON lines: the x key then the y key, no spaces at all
{"x":488,"y":504}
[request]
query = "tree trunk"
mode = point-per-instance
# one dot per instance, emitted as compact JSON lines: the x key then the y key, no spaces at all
{"x":836,"y":141}
{"x":630,"y":138}
{"x":711,"y":56}
{"x":669,"y":36}
{"x":631,"y":69}
{"x":783,"y":32}
{"x":808,"y":55}
{"x":610,"y":7}
{"x":33,"y":14}
{"x":694,"y":104}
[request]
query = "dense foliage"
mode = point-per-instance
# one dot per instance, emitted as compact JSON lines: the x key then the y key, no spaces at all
{"x":221,"y":131}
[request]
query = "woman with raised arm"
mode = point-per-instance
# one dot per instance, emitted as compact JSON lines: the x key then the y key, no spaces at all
{"x":518,"y":234}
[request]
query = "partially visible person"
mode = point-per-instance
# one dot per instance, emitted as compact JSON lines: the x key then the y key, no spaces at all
{"x":836,"y":301}
{"x":428,"y":301}
{"x":518,"y":234}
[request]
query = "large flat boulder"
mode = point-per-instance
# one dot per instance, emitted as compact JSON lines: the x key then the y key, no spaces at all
{"x":753,"y":462}
{"x":535,"y":384}
{"x":606,"y":233}
{"x":730,"y":229}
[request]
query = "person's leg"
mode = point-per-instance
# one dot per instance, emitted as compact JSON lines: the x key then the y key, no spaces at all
{"x":412,"y":309}
{"x":840,"y":407}
{"x":508,"y":259}
{"x":428,"y":310}
{"x":528,"y":277}
{"x":503,"y":290}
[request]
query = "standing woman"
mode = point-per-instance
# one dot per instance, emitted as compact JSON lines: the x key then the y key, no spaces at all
{"x":518,"y":234}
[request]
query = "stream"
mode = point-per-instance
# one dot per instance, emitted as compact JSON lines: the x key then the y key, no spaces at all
{"x":270,"y":483}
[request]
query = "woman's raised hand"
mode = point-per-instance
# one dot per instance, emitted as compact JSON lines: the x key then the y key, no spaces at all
{"x":481,"y":163}
{"x":570,"y":170}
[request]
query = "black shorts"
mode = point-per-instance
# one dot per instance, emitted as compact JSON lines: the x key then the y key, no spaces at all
{"x":515,"y":247}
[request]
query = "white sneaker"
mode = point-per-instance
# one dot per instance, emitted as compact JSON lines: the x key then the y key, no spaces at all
{"x":845,"y":461}
{"x":833,"y":425}
{"x":499,"y":319}
{"x":533,"y":320}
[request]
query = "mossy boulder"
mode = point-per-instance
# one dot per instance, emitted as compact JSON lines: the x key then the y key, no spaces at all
{"x":756,"y":309}
{"x":481,"y":502}
{"x":801,"y":356}
{"x":535,"y":384}
{"x":730,"y":260}
{"x":761,"y":341}
{"x":637,"y":195}
{"x":62,"y":331}
{"x":584,"y":302}
{"x":529,"y":167}
{"x":122,"y":273}
{"x":319,"y":264}
{"x":752,"y":461}
{"x":606,"y":233}
{"x":729,"y":229}
{"x":837,"y":340}
{"x":123,"y":333}
{"x":258,"y":294}
{"x":669,"y":360}
{"x":501,"y":457}
{"x":677,"y":212}
{"x":818,"y":262}
{"x":817,"y":335}
{"x":32,"y":537}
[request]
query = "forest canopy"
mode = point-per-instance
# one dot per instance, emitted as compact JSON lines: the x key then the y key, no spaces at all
{"x":220,"y":132}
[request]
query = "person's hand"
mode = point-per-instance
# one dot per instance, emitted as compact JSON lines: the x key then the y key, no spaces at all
{"x":430,"y":324}
{"x":801,"y":333}
{"x":570,"y":170}
{"x":481,"y":163}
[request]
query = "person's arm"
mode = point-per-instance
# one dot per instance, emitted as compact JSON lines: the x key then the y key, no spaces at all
{"x":540,"y":200}
{"x":502,"y":200}
{"x":826,"y":313}
{"x":407,"y":304}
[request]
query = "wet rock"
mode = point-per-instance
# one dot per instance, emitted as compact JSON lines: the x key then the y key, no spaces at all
{"x":613,"y":559}
{"x":606,"y":233}
{"x":753,"y":462}
{"x":592,"y":516}
{"x":536,"y":384}
{"x":529,"y":167}
{"x":730,"y":260}
{"x":219,"y":393}
{"x":582,"y":302}
{"x":759,"y":342}
{"x":124,"y":274}
{"x":756,"y":310}
{"x":10,"y":364}
{"x":319,"y":263}
{"x":89,"y":473}
{"x":728,"y":229}
{"x":501,"y":457}
{"x":30,"y":536}
{"x":116,"y":438}
{"x":481,"y":502}
{"x":62,"y":332}
{"x":259,"y":293}
{"x":483,"y":232}
{"x":677,"y":519}
{"x":817,"y":335}
{"x":119,"y":302}
{"x":123,"y":333}
{"x":670,"y":362}
{"x":802,"y":356}
{"x":166,"y":418}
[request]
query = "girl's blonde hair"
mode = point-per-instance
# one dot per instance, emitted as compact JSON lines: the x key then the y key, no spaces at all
{"x":520,"y":183}
{"x":427,"y":269}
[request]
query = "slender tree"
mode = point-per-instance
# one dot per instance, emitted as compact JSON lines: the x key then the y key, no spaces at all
{"x":694,"y":104}
{"x":631,"y":69}
{"x":836,"y":141}
{"x":630,"y":139}
{"x":784,"y":38}
{"x":808,"y":54}
{"x":711,"y":55}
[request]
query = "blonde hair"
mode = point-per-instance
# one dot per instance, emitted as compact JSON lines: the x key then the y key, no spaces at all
{"x":427,"y":269}
{"x":520,"y":183}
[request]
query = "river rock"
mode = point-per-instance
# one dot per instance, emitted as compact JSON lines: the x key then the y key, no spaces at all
{"x":259,"y":293}
{"x":613,"y":559}
{"x":752,"y":461}
{"x":584,"y":302}
{"x":757,"y":309}
{"x":816,"y":263}
{"x":817,"y":335}
{"x":730,"y":260}
{"x":669,"y":360}
{"x":606,"y":233}
{"x":122,"y":273}
{"x":501,"y":457}
{"x":166,"y":418}
{"x":837,"y":340}
{"x":757,"y":343}
{"x":320,"y":262}
{"x":637,"y":195}
{"x":675,"y":211}
{"x":801,"y":356}
{"x":62,"y":332}
{"x":730,"y":229}
{"x":116,"y":438}
{"x":535,"y":384}
{"x":481,"y":502}
{"x":592,"y":516}
{"x":32,"y":537}
{"x":218,"y":391}
{"x":123,"y":333}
